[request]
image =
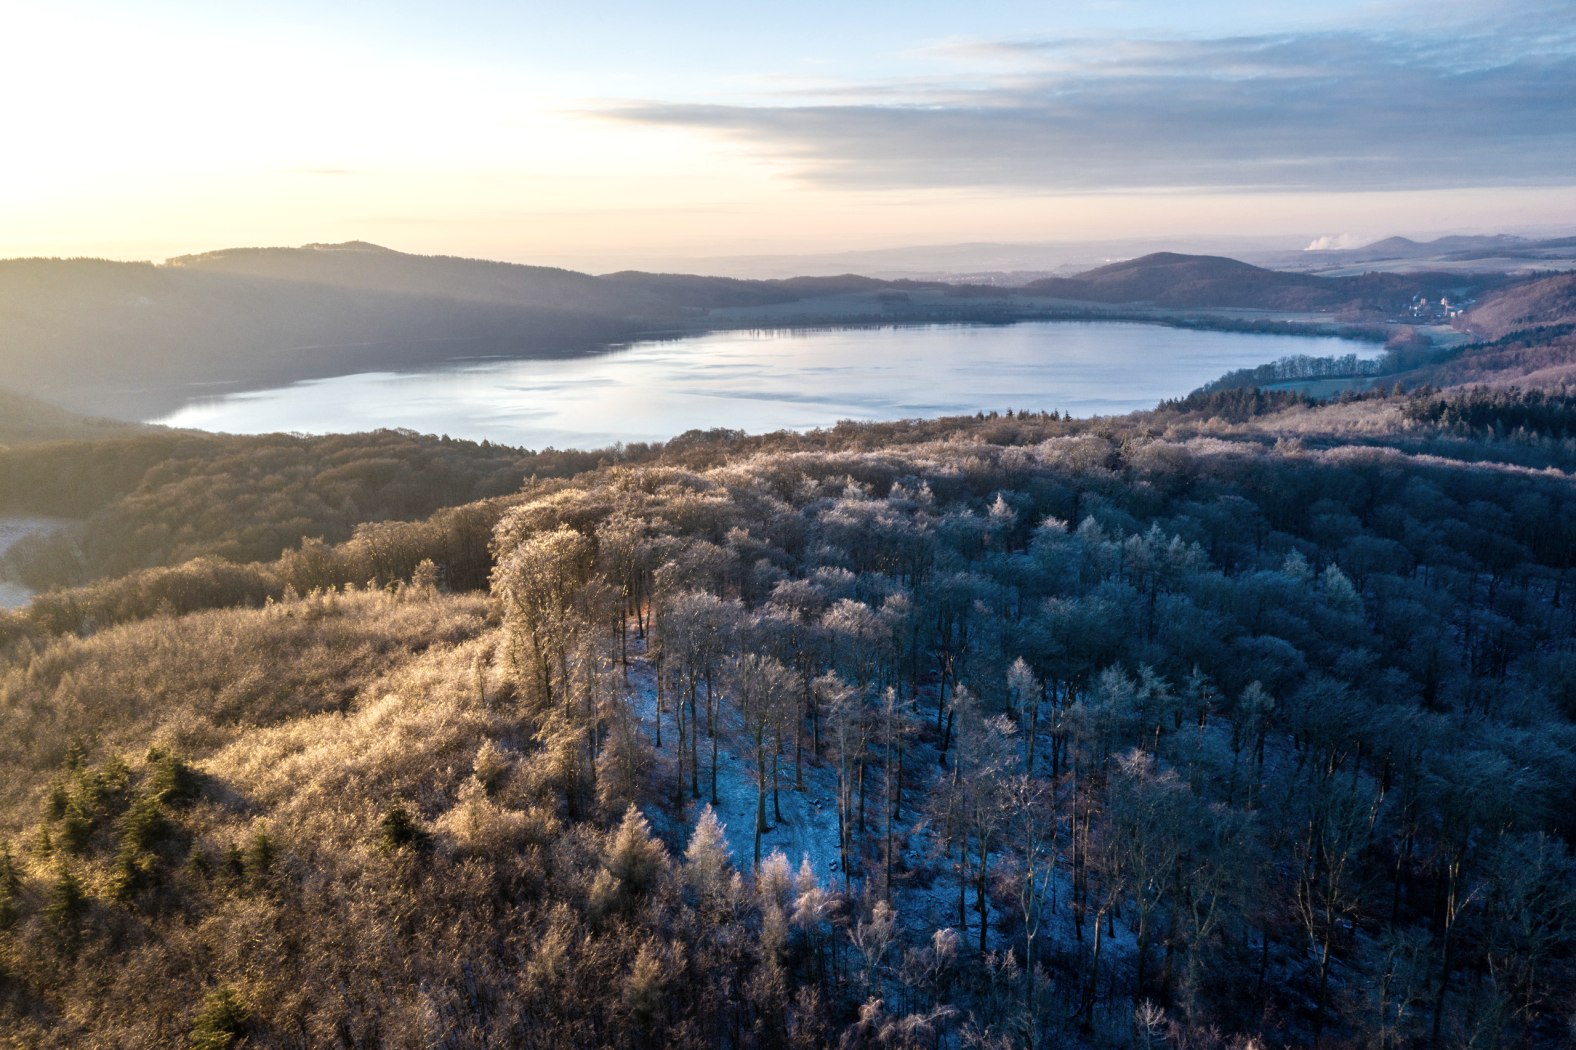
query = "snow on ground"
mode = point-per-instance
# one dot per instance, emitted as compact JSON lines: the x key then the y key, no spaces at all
{"x":809,"y":824}
{"x":12,"y":594}
{"x":925,"y":886}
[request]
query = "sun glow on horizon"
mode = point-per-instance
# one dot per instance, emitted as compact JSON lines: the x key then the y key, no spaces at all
{"x":168,"y":131}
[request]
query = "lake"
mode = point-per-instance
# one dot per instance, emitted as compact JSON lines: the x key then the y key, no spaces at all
{"x":762,"y":381}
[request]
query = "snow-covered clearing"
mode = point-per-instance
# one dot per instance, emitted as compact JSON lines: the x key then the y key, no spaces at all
{"x":925,"y":885}
{"x":809,"y":824}
{"x":12,"y":529}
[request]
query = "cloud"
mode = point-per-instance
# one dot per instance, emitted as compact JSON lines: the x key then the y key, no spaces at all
{"x":1450,"y":105}
{"x":1337,"y":242}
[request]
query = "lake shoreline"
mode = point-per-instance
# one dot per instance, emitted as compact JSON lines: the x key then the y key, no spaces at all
{"x":766,"y":378}
{"x":139,"y":403}
{"x":1262,"y":322}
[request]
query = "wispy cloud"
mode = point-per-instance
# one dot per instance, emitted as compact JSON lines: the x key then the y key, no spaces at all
{"x":1412,"y":105}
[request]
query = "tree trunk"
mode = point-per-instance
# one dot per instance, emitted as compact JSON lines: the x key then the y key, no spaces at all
{"x":760,"y":792}
{"x":1034,"y":726}
{"x":658,"y":719}
{"x":777,"y":801}
{"x":798,"y":754}
{"x":861,"y":823}
{"x":1444,"y":983}
{"x":694,"y":744}
{"x":1094,"y":977}
{"x":715,"y":801}
{"x":963,"y":883}
{"x":980,"y":905}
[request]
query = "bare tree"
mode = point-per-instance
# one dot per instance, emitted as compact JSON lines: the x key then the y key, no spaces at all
{"x":763,"y":690}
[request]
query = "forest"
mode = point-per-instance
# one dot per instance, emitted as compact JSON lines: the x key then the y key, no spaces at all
{"x":1245,"y":722}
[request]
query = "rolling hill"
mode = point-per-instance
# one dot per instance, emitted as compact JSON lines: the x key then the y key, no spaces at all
{"x":134,"y":339}
{"x":1529,"y":333}
{"x":1205,"y":281}
{"x":363,"y":267}
{"x":26,"y":419}
{"x":1536,"y":304}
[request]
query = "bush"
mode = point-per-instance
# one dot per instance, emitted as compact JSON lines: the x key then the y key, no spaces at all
{"x":258,"y":860}
{"x":171,"y":780}
{"x":398,"y":829}
{"x":221,"y":1020}
{"x":10,"y":887}
{"x":67,"y":902}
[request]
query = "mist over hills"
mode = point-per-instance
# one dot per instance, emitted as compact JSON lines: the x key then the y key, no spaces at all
{"x":1491,"y":251}
{"x":1010,"y":264}
{"x":27,"y":419}
{"x":1405,"y":247}
{"x":712,"y":292}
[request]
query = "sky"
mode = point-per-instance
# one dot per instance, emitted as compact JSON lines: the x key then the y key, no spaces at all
{"x":611,"y":133}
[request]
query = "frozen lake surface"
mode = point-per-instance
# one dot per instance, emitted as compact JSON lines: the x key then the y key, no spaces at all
{"x":762,"y":381}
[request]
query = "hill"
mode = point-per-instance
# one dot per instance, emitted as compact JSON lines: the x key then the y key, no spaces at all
{"x":1496,"y":253}
{"x":1543,"y":303}
{"x":966,"y":732}
{"x":1528,"y":336}
{"x":1178,"y":281}
{"x":135,"y":339}
{"x":1172,"y":279}
{"x":26,"y":419}
{"x":359,"y":266}
{"x":1051,"y":717}
{"x":1392,"y":248}
{"x":132,"y":339}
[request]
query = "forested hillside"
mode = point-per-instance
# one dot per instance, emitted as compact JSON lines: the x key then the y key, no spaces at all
{"x":1550,"y":301}
{"x":1166,"y":730}
{"x":134,"y":340}
{"x":1529,"y":333}
{"x":1185,"y":281}
{"x":162,"y":497}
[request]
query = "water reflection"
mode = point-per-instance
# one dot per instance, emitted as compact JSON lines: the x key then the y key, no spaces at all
{"x":762,"y":381}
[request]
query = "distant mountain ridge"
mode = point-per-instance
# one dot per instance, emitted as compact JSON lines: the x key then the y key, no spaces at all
{"x":1403,"y":247}
{"x":698,"y":292}
{"x":1196,"y":281}
{"x":135,"y":339}
{"x":369,"y":267}
{"x":1500,"y":252}
{"x":1170,"y":278}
